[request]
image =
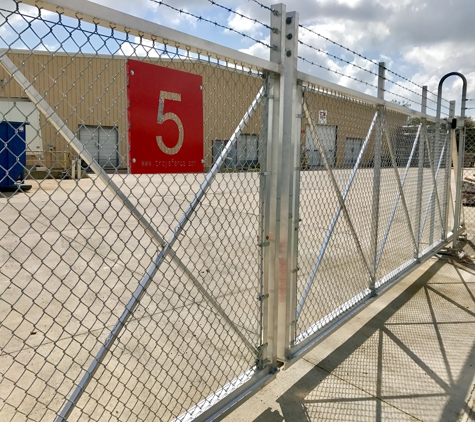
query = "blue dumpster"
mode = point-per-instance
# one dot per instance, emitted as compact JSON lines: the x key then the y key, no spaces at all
{"x":12,"y":153}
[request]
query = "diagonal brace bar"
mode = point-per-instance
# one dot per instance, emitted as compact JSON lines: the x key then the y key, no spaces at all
{"x":400,"y":195}
{"x":54,"y":119}
{"x":142,"y":288}
{"x":341,"y":207}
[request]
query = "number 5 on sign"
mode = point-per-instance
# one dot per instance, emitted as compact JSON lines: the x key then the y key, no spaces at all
{"x":164,"y":95}
{"x":165,"y":119}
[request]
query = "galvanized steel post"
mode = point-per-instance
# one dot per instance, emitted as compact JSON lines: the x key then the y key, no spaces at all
{"x":420,"y":172}
{"x":377,"y":178}
{"x":286,"y":133}
{"x":275,"y":103}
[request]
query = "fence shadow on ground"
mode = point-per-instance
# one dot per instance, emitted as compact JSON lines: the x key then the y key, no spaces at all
{"x":414,"y":359}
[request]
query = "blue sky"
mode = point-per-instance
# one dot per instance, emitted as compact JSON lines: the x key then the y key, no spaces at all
{"x":420,"y":40}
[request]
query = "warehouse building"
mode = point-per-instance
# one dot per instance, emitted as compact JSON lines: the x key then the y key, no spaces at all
{"x":89,"y":94}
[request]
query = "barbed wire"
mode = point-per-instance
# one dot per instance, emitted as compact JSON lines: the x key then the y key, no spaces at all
{"x":366,"y":58}
{"x":336,"y":57}
{"x":403,"y":87}
{"x":201,"y":18}
{"x":362,"y":68}
{"x":412,"y":92}
{"x":409,"y":101}
{"x":336,"y":72}
{"x":338,"y":44}
{"x":262,"y":5}
{"x":363,"y":82}
{"x":234,"y":12}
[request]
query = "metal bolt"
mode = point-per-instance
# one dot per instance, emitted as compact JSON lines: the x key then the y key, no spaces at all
{"x":289,"y":36}
{"x":132,"y":72}
{"x":134,"y":160}
{"x":288,"y":53}
{"x":288,"y":21}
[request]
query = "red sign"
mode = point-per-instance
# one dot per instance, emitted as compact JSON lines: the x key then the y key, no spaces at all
{"x":165,"y":116}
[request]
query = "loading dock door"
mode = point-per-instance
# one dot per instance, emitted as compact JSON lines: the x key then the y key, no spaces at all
{"x":327,"y":136}
{"x":102,"y":143}
{"x":352,"y":150}
{"x":247,"y":150}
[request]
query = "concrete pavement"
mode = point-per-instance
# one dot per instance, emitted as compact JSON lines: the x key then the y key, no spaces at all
{"x":409,"y":356}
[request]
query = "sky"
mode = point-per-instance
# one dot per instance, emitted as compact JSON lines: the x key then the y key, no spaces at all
{"x":418,"y":40}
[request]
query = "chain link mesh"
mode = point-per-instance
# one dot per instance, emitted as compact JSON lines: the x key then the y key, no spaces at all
{"x":72,"y":254}
{"x":142,"y":297}
{"x":374,"y":214}
{"x":468,"y":189}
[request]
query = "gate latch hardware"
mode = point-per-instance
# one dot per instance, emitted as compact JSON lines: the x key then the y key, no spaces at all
{"x":263,"y":244}
{"x":262,"y":346}
{"x":262,"y":297}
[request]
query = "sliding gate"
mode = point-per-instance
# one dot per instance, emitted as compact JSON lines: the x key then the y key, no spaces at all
{"x":364,"y":224}
{"x":174,"y":283}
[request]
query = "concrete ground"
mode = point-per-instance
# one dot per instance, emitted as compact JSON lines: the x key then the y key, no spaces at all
{"x":409,"y":356}
{"x":71,"y":257}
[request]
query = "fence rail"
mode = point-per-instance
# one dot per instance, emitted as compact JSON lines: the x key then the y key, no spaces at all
{"x":150,"y":285}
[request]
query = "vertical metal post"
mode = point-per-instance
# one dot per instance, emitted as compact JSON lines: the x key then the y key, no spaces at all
{"x":291,"y":141}
{"x":420,"y":172}
{"x":295,"y":110}
{"x":271,"y":178}
{"x":377,"y":178}
{"x":73,"y":169}
{"x":287,"y":125}
{"x":381,"y":80}
{"x":267,"y":214}
{"x":433,"y":158}
{"x":78,"y":168}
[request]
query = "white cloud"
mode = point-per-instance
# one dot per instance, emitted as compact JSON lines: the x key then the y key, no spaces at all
{"x":244,"y":25}
{"x":141,"y":48}
{"x":258,"y":50}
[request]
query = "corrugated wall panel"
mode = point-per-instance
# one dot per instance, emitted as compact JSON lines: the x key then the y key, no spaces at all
{"x":91,"y":90}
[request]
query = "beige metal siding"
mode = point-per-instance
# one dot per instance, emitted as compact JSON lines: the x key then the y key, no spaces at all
{"x":91,"y":91}
{"x":82,"y":90}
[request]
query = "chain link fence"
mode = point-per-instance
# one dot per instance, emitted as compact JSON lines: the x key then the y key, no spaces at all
{"x":149,"y":282}
{"x":137,"y":286}
{"x":382,"y":180}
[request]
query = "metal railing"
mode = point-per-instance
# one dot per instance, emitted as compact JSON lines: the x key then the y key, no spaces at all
{"x":173,"y":295}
